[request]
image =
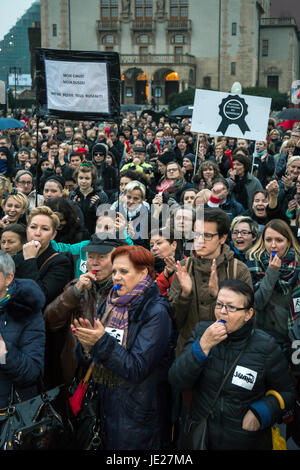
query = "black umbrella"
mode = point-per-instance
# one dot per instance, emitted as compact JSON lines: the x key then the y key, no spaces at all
{"x":289,"y":113}
{"x":183,"y":111}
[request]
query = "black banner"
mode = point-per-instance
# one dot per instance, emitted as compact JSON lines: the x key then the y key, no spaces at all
{"x":109,"y":87}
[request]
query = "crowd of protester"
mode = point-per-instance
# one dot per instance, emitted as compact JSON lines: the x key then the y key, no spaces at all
{"x":117,"y":239}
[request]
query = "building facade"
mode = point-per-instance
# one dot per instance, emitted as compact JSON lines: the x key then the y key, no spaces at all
{"x":167,"y":46}
{"x":15,"y":56}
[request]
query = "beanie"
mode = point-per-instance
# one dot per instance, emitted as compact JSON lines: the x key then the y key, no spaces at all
{"x":167,"y":157}
{"x":191,"y":157}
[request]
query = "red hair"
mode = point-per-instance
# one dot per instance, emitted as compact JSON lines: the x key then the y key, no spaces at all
{"x":140,"y":257}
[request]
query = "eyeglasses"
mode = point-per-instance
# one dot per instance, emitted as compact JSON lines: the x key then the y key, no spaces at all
{"x":99,"y":154}
{"x":205,"y":236}
{"x":229,"y":308}
{"x":243,"y":233}
{"x":24,"y":183}
{"x":171,"y":170}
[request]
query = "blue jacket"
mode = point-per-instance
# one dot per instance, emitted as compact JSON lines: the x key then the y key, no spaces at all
{"x":23,"y":331}
{"x":135,"y":411}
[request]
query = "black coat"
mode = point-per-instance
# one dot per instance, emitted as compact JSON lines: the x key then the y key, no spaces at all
{"x":88,"y":208}
{"x":52,"y":277}
{"x":261,"y":367}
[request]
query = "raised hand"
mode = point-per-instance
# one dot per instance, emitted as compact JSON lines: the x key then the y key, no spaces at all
{"x":213,"y":283}
{"x":184,"y":279}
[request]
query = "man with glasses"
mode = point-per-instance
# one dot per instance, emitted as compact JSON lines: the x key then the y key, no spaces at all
{"x":195,"y":285}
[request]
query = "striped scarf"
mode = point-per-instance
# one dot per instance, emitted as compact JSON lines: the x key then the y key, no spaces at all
{"x":289,"y":280}
{"x":116,"y":316}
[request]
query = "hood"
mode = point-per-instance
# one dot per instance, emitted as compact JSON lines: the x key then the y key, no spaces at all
{"x":10,"y":162}
{"x":100,"y":148}
{"x":27,"y":298}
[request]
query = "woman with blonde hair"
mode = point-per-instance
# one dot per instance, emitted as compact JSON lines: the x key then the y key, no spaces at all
{"x":5,"y":187}
{"x":14,"y":208}
{"x":51,"y":271}
{"x":274,"y":267}
{"x":38,"y":260}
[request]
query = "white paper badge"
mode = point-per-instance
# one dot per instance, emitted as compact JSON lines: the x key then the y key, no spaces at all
{"x":297,"y":304}
{"x":243,"y":377}
{"x":82,"y":266}
{"x":116,"y":333}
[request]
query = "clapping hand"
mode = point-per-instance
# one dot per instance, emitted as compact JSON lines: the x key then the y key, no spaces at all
{"x":87,"y":334}
{"x":184,"y":279}
{"x":170,"y":266}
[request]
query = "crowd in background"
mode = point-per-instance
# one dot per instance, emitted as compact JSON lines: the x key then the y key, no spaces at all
{"x":77,"y":198}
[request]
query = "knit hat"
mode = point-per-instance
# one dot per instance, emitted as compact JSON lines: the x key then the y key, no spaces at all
{"x":191,"y":157}
{"x":167,"y":157}
{"x":57,"y":178}
{"x":24,"y":149}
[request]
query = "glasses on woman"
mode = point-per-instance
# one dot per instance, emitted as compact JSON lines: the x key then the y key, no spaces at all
{"x":25,"y":183}
{"x":229,"y":308}
{"x":243,"y":233}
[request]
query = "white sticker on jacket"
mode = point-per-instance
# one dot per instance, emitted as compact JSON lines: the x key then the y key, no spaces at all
{"x":297,"y":304}
{"x":82,"y":267}
{"x":243,"y":377}
{"x":116,"y":333}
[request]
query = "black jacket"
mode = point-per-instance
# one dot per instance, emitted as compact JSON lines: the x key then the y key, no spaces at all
{"x":88,"y":208}
{"x":260,"y":368}
{"x":51,"y":276}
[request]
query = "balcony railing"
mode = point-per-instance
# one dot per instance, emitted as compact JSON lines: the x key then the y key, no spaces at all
{"x":108,"y":25}
{"x":157,"y":59}
{"x":143,"y":25}
{"x":179,"y":25}
{"x":278,"y":22}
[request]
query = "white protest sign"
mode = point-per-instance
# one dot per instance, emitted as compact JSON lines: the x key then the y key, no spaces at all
{"x":77,"y":86}
{"x":239,"y":116}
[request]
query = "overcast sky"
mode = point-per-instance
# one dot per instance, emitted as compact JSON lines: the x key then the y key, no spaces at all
{"x":11,"y":11}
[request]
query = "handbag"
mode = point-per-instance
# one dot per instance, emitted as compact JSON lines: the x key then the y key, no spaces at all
{"x":38,"y":423}
{"x":85,"y":405}
{"x":194,"y":435}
